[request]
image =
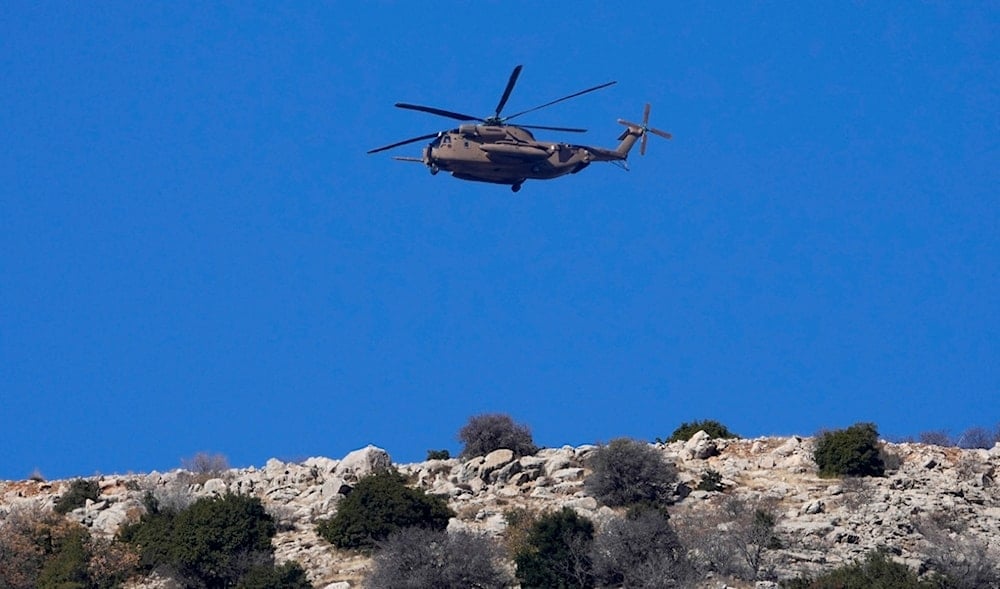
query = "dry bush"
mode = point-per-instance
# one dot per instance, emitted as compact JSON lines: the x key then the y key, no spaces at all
{"x":628,"y":472}
{"x":38,"y":548}
{"x":494,"y":431}
{"x":111,"y":560}
{"x":641,"y":551}
{"x":418,"y":558}
{"x":966,"y":561}
{"x":733,"y":540}
{"x":519,"y":522}
{"x":939,"y":437}
{"x":856,"y":492}
{"x":21,"y":556}
{"x":205,"y":466}
{"x":976,"y":437}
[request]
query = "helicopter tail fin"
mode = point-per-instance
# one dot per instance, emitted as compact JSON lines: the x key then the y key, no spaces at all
{"x":635,"y":132}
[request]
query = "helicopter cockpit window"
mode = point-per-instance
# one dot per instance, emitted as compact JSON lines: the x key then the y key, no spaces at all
{"x":446,"y":140}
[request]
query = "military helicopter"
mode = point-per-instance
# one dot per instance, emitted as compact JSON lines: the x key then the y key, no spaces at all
{"x":491,"y":150}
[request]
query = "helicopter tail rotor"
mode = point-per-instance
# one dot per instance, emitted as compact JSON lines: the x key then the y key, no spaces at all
{"x":644,"y":129}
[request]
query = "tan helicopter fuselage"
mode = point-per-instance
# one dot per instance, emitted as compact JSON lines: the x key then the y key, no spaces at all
{"x":509,"y":154}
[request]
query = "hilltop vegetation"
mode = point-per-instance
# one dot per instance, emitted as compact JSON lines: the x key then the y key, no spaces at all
{"x":627,"y":513}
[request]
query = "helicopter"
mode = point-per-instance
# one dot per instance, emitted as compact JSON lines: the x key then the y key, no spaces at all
{"x":491,"y":150}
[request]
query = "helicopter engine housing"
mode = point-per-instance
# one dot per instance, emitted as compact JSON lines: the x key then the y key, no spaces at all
{"x":487,"y":132}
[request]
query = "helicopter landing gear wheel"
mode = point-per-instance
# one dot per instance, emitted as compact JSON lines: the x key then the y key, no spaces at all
{"x":434,"y":169}
{"x":516,"y":187}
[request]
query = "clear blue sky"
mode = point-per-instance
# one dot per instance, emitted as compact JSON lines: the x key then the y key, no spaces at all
{"x":196,"y":254}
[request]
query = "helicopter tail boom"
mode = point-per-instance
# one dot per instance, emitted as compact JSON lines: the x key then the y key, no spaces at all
{"x":635,"y":132}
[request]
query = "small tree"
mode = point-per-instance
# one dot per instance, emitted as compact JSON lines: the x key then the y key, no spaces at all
{"x":494,"y":431}
{"x":557,"y":552}
{"x":713,"y":428}
{"x":417,"y":558}
{"x":379,"y":505}
{"x":853,"y":451}
{"x":626,"y":472}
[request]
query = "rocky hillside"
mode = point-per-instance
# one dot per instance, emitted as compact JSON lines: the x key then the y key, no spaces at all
{"x":933,"y":500}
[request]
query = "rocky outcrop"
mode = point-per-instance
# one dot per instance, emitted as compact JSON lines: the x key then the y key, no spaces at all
{"x":931,"y":495}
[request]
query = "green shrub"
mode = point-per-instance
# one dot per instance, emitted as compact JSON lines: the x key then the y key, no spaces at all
{"x":493,"y":431}
{"x":290,"y":575}
{"x":212,"y":543}
{"x":877,"y":571}
{"x":79,"y":491}
{"x":626,"y":472}
{"x":853,"y":451}
{"x":713,"y":428}
{"x":419,"y":558}
{"x":711,"y":480}
{"x":557,"y":553}
{"x":438,"y":455}
{"x":379,"y":505}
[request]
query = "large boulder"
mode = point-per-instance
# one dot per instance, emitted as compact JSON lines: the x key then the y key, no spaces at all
{"x":700,"y":446}
{"x":361,"y":463}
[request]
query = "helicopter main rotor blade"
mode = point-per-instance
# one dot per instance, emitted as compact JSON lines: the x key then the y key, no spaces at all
{"x":580,"y":93}
{"x":407,"y":141}
{"x":506,"y":93}
{"x":567,"y":129}
{"x":439,"y":112}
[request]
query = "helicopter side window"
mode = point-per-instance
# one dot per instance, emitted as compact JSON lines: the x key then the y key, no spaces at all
{"x":446,"y":141}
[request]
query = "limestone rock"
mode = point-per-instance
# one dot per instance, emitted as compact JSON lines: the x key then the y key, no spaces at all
{"x":494,"y":461}
{"x":701,"y":446}
{"x":361,"y":463}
